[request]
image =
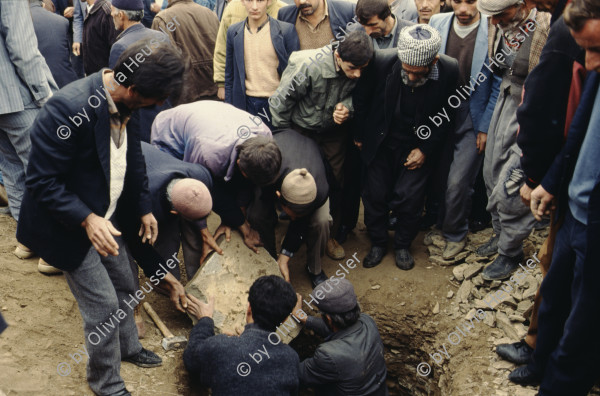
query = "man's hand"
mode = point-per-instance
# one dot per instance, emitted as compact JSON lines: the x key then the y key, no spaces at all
{"x":283,"y":261}
{"x":155,"y":8}
{"x":76,"y":49}
{"x":526,"y":194}
{"x":358,"y":144}
{"x":415,"y":159}
{"x":221,"y":93}
{"x":298,"y":312}
{"x":340,"y":114}
{"x":176,"y":292}
{"x":209,"y":244}
{"x":68,"y":13}
{"x":149,"y":229}
{"x":541,"y":202}
{"x":100,"y":232}
{"x":251,"y":237}
{"x":223,"y":230}
{"x":198,"y":309}
{"x":481,"y":140}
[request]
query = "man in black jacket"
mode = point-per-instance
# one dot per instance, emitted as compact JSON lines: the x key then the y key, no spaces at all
{"x":399,"y":104}
{"x":99,"y":34}
{"x":302,"y":191}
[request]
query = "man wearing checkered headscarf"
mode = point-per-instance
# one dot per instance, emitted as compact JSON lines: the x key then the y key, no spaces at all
{"x":402,"y":116}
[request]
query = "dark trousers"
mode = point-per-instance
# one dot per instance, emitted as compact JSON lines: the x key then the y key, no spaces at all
{"x":389,"y":184}
{"x":258,"y":107}
{"x":567,"y":342}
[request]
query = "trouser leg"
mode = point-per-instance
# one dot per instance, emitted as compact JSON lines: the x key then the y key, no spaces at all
{"x":191,"y":244}
{"x":168,"y":242}
{"x":377,"y":182}
{"x":262,"y":217}
{"x":351,"y":191}
{"x":316,"y":239}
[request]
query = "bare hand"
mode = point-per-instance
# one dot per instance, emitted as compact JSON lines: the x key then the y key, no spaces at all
{"x":541,"y":202}
{"x":149,"y":229}
{"x":221,"y":93}
{"x":68,"y":13}
{"x":481,"y":141}
{"x":298,"y":312}
{"x":100,"y":232}
{"x":526,"y":194}
{"x":223,"y":230}
{"x":209,"y":244}
{"x":415,"y":159}
{"x":176,"y":292}
{"x":251,"y":237}
{"x":198,"y":309}
{"x":154,"y":7}
{"x":76,"y":49}
{"x":283,"y":261}
{"x":340,"y":114}
{"x":358,"y":144}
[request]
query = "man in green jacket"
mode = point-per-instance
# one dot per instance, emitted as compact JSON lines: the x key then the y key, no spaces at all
{"x":315,"y":98}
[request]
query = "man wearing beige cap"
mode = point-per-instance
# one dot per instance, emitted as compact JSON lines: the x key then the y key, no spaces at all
{"x":302,"y":191}
{"x":350,"y":361}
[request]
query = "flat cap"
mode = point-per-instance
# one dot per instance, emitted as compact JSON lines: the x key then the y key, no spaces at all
{"x":128,"y":5}
{"x":494,"y":7}
{"x":339,"y":298}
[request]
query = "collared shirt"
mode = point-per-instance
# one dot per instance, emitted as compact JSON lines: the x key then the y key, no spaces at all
{"x":312,"y":37}
{"x":118,"y":121}
{"x":386,"y":41}
{"x":260,"y":27}
{"x":316,"y":27}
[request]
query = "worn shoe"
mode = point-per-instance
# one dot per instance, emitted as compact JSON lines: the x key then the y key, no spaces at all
{"x":374,"y":257}
{"x":47,"y":269}
{"x":23,"y":252}
{"x":522,"y":376}
{"x":139,"y":321}
{"x":489,"y":248}
{"x":518,"y":352}
{"x":342,"y":234}
{"x":145,"y":358}
{"x":316,"y":279}
{"x":404,"y":260}
{"x":502,"y":267}
{"x":392,"y":222}
{"x":122,"y":392}
{"x":428,"y":238}
{"x":453,"y":248}
{"x":335,"y":250}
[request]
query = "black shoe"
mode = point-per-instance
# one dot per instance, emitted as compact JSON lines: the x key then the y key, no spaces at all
{"x":502,"y":267}
{"x":427,"y":221}
{"x":122,"y":392}
{"x":522,"y":376}
{"x":489,"y":248}
{"x":404,"y":260}
{"x":342,"y":234}
{"x":145,"y":358}
{"x":518,"y":352}
{"x":374,"y":257}
{"x":476,"y":225}
{"x":392,"y":222}
{"x":316,"y":279}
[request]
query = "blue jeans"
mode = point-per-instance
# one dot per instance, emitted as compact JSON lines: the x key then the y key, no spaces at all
{"x":567,"y":343}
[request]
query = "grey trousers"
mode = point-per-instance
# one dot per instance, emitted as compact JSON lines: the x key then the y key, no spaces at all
{"x":15,"y":145}
{"x":172,"y":234}
{"x":511,"y":218}
{"x":461,"y":177}
{"x":102,"y":288}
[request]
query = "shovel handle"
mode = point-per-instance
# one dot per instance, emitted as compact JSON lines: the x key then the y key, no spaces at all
{"x":159,"y":323}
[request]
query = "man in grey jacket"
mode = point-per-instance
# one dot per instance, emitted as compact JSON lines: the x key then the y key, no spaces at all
{"x":335,"y":369}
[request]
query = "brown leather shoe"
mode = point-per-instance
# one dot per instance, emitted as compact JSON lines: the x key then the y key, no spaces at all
{"x":335,"y":250}
{"x":23,"y":252}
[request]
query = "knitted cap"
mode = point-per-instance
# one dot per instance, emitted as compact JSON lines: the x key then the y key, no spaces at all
{"x":339,"y":298}
{"x":191,"y":199}
{"x":128,"y":5}
{"x":299,"y":187}
{"x":418,"y":45}
{"x":493,"y":7}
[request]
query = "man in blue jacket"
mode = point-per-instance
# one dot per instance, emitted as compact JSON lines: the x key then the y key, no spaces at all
{"x":80,"y":161}
{"x":465,"y":38}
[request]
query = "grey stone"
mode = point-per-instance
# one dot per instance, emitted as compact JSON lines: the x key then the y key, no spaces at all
{"x":495,"y":284}
{"x":516,"y":318}
{"x":436,"y":308}
{"x":503,"y":365}
{"x":228,"y":278}
{"x":472,"y":270}
{"x":458,"y":271}
{"x":529,"y":293}
{"x":490,"y":319}
{"x":450,"y":294}
{"x":464,"y":291}
{"x":524,"y":306}
{"x":478,"y":280}
{"x":506,"y":326}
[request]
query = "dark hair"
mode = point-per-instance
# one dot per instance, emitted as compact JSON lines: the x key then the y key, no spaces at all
{"x":357,"y":48}
{"x":578,"y":12}
{"x":160,"y":73}
{"x":346,"y":319}
{"x":260,"y":159}
{"x":133,"y":15}
{"x":300,"y":210}
{"x":367,"y":9}
{"x":271,"y":299}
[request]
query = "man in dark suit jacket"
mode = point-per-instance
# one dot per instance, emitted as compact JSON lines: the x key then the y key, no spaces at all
{"x":99,"y":34}
{"x":319,"y":22}
{"x":224,"y":363}
{"x":81,"y":158}
{"x":52,"y":32}
{"x":395,"y":105}
{"x":380,"y":23}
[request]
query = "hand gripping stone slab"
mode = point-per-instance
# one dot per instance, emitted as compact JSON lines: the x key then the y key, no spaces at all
{"x":228,"y":278}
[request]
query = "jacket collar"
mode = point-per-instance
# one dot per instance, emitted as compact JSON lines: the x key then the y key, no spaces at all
{"x":133,"y":28}
{"x":173,"y":2}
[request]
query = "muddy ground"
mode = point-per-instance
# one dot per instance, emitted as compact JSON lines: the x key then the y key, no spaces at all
{"x":46,"y":333}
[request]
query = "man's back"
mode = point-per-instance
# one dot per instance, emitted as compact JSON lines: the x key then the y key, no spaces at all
{"x":99,"y":34}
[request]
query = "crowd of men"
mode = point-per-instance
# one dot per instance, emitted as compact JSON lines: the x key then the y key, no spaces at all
{"x":122,"y":118}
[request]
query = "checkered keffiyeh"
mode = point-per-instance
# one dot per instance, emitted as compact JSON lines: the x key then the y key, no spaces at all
{"x":418,"y":45}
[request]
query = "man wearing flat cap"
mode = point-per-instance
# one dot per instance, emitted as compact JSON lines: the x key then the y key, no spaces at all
{"x":516,"y":36}
{"x":350,"y":361}
{"x":99,"y":34}
{"x":395,"y":103}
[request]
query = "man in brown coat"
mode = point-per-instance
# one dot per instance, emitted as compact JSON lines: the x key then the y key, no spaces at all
{"x":194,"y":29}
